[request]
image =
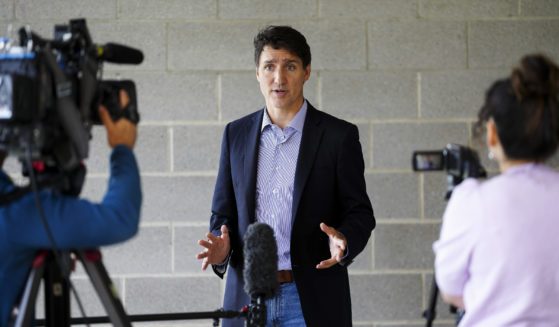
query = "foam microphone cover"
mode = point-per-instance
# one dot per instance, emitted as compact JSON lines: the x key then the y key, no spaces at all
{"x":261,"y":261}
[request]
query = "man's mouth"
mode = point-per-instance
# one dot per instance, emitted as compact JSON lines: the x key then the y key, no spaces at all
{"x":280,"y":91}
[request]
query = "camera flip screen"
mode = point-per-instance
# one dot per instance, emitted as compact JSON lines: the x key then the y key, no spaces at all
{"x":428,"y":160}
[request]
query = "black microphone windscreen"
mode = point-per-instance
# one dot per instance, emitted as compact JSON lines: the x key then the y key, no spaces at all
{"x":261,"y":261}
{"x":120,"y":54}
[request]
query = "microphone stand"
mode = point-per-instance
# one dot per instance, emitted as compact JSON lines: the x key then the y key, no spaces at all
{"x":254,"y":313}
{"x":257,"y":315}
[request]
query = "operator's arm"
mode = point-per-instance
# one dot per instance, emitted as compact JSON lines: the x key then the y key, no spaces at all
{"x":78,"y":223}
{"x":456,"y":244}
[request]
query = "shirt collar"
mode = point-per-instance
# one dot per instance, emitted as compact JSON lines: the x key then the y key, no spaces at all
{"x":523,"y":167}
{"x":296,"y":123}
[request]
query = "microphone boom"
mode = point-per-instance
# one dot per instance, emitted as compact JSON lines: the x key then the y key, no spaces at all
{"x":119,"y":54}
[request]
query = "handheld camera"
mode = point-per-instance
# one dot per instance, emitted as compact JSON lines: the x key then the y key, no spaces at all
{"x":458,"y":161}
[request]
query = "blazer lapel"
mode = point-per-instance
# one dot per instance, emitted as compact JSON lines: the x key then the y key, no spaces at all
{"x":312,"y":134}
{"x":252,"y":142}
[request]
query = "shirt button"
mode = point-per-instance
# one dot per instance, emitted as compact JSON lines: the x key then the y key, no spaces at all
{"x":277,"y":168}
{"x":275,"y":191}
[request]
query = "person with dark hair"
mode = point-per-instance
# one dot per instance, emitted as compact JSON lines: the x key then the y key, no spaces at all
{"x":497,"y":254}
{"x":75,"y":223}
{"x":300,"y":171}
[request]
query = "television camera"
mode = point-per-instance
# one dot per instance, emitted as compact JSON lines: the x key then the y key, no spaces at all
{"x":50,"y":91}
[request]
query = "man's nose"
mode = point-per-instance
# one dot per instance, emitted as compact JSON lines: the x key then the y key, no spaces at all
{"x":279,"y":76}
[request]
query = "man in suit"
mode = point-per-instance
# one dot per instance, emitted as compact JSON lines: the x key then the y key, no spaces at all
{"x":300,"y":171}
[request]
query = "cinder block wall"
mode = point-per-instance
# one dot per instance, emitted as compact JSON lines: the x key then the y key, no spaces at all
{"x":410,"y":73}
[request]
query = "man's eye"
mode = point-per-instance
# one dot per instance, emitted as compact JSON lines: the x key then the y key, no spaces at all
{"x":268,"y":67}
{"x":291,"y":67}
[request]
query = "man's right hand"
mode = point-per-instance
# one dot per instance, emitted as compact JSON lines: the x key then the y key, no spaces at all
{"x":121,"y":131}
{"x":216,"y":248}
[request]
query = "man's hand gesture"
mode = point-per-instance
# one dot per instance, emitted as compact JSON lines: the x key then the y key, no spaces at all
{"x":216,"y":248}
{"x":337,"y":246}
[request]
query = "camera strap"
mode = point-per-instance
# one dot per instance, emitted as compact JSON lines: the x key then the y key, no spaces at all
{"x":67,"y":111}
{"x":19,"y":192}
{"x":68,"y":183}
{"x":14,"y":195}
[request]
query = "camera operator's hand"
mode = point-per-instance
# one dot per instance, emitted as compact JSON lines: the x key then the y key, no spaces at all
{"x":121,"y":131}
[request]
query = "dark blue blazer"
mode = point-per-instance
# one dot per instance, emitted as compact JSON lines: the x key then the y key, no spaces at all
{"x":329,"y":187}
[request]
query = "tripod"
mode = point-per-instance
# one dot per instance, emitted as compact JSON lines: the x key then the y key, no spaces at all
{"x":57,"y":296}
{"x":431,"y":312}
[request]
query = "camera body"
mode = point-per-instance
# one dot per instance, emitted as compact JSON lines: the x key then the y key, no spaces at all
{"x":458,"y":161}
{"x":50,"y":91}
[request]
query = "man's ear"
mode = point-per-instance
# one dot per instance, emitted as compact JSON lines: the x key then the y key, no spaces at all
{"x":307,"y":72}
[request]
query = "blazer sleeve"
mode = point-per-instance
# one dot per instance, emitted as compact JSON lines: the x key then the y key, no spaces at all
{"x":224,"y":210}
{"x":358,"y":219}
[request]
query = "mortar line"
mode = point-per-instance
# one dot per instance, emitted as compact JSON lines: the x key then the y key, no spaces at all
{"x":170,"y":135}
{"x":218,"y":91}
{"x":418,"y":81}
{"x":172,"y":247}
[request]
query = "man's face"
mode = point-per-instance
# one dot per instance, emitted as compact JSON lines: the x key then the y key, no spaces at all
{"x":281,"y":76}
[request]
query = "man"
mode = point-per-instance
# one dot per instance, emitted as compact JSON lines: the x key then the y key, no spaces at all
{"x":300,"y":171}
{"x":74,"y":222}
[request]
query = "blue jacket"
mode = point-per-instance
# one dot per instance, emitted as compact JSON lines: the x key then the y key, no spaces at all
{"x":74,"y":222}
{"x":329,"y":187}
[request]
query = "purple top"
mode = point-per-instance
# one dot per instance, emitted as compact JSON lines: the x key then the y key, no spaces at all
{"x":499,"y":248}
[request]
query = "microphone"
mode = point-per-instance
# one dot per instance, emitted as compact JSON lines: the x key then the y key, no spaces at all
{"x":119,"y":54}
{"x":261,"y":262}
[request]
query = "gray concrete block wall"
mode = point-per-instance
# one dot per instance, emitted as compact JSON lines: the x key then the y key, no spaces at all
{"x":410,"y":73}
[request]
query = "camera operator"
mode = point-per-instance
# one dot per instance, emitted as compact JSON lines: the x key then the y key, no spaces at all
{"x":74,"y":222}
{"x":497,"y":254}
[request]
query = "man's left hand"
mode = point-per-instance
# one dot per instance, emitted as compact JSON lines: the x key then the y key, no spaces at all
{"x":337,"y":246}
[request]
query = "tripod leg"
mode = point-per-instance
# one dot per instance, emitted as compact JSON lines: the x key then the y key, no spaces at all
{"x":100,"y":279}
{"x":26,"y":309}
{"x":431,"y":311}
{"x":57,"y":294}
